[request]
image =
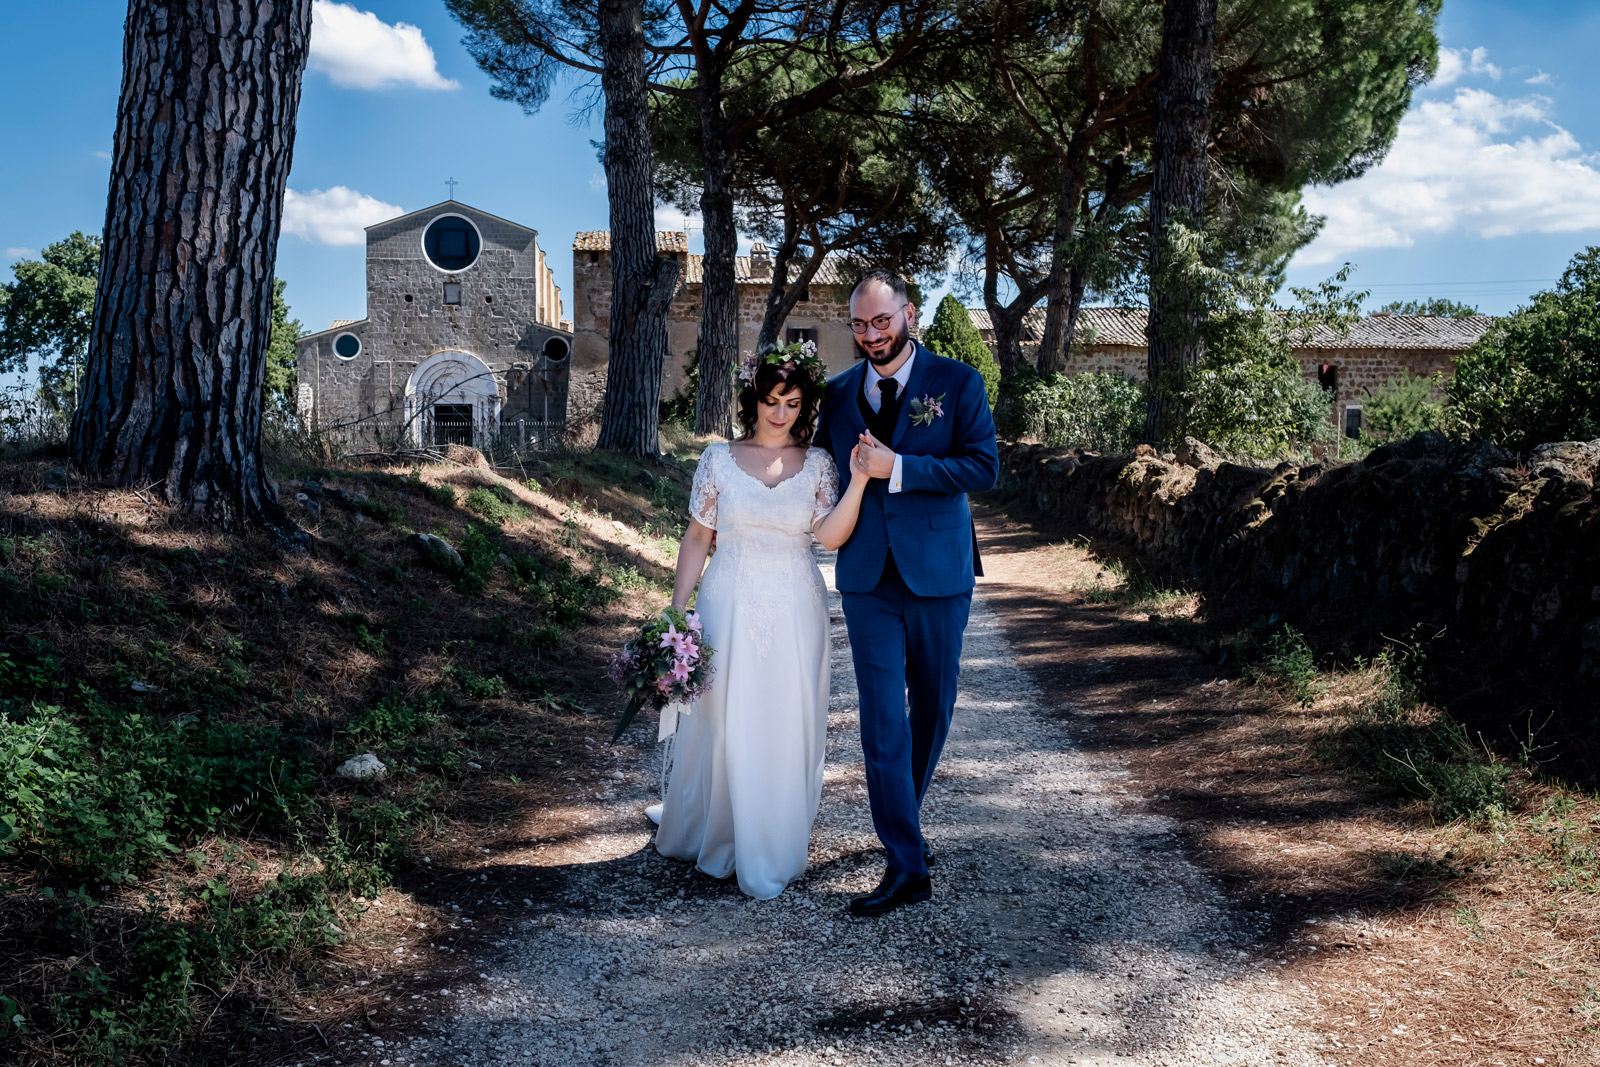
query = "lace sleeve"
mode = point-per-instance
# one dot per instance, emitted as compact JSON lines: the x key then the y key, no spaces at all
{"x":703,"y":492}
{"x":827,"y":488}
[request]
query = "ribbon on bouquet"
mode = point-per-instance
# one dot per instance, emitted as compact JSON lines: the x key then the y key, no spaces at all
{"x":668,"y":724}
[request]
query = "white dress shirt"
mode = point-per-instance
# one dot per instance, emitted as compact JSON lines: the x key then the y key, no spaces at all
{"x":875,"y":402}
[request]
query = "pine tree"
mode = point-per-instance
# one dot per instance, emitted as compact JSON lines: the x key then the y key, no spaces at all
{"x":953,"y":336}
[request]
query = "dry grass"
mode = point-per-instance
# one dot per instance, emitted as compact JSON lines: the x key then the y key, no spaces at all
{"x":1467,"y":942}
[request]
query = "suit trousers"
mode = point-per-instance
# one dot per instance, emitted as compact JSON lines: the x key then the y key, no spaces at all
{"x":907,"y":652}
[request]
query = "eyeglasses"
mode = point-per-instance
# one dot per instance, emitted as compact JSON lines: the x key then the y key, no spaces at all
{"x":879,"y":322}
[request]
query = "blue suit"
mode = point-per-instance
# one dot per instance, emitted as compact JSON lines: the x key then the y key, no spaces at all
{"x":906,"y":577}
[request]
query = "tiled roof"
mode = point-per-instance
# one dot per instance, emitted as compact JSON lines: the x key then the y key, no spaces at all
{"x":600,"y":241}
{"x":1032,"y":323}
{"x":1125,"y":326}
{"x":832,"y":272}
{"x":337,"y":324}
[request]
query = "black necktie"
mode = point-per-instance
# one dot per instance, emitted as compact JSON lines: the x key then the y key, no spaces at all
{"x":888,"y":408}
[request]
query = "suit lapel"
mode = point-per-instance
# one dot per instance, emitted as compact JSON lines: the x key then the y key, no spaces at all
{"x":916,"y":386}
{"x":853,"y":405}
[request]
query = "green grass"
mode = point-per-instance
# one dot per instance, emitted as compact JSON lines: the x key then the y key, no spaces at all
{"x":1392,"y":739}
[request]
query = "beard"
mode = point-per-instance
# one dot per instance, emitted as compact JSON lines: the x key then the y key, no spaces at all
{"x":901,"y":335}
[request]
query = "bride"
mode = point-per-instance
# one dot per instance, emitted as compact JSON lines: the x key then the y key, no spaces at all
{"x":746,"y":773}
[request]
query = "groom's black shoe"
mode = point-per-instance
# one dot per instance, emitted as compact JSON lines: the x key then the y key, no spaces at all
{"x":927,"y":853}
{"x":895,"y":891}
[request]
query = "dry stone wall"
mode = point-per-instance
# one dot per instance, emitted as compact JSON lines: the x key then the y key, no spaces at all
{"x":1492,"y":558}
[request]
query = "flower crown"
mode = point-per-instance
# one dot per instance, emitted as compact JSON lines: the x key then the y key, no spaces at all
{"x":801,"y":355}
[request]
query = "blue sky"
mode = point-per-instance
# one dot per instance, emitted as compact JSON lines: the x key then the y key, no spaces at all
{"x":1492,"y":186}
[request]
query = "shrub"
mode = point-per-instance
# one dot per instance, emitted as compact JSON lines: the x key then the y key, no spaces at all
{"x":1535,"y":376}
{"x":1255,"y":405}
{"x":1285,"y":661}
{"x":497,"y":504}
{"x":953,"y":336}
{"x":1097,"y":412}
{"x":1401,"y":409}
{"x":75,"y":805}
{"x":393,"y":719}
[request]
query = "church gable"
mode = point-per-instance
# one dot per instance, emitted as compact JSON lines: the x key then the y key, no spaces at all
{"x":448,"y":280}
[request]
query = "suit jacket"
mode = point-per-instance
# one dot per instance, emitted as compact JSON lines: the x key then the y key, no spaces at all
{"x":928,"y":524}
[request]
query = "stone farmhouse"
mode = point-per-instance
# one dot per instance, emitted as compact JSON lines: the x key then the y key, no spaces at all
{"x":1376,"y":350}
{"x":821,"y":315}
{"x":464,"y":340}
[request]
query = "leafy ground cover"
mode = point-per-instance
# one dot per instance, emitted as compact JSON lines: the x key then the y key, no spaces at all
{"x":183,"y":877}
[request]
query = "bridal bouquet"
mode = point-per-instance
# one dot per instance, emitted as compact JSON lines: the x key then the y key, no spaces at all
{"x":666,"y":663}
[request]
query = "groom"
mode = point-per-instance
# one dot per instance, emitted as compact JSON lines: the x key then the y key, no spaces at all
{"x":906,"y":573}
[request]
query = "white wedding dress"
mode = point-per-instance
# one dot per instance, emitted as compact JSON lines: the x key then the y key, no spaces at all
{"x":746,"y":773}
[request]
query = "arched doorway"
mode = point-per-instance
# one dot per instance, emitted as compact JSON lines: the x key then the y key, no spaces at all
{"x":452,"y":398}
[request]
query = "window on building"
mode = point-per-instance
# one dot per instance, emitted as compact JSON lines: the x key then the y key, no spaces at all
{"x":805,"y":295}
{"x":1352,"y":421}
{"x":555,"y":349}
{"x":451,"y":243}
{"x":1328,"y":377}
{"x":452,"y":293}
{"x":452,"y":424}
{"x":801,"y":334}
{"x":347,"y":346}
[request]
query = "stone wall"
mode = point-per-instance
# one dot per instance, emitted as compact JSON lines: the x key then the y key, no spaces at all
{"x":827,"y":311}
{"x":1496,"y":554}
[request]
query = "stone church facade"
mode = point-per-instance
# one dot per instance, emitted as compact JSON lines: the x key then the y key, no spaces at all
{"x":822,"y":314}
{"x":464,"y":340}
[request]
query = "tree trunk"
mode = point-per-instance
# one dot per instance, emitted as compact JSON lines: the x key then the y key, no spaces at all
{"x":1057,"y":338}
{"x":719,"y":295}
{"x":1006,"y":319}
{"x":642,"y":282}
{"x":183,"y":309}
{"x":1183,"y":125}
{"x":783,"y":294}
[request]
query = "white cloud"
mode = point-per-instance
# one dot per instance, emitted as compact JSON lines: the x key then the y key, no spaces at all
{"x":358,"y":50}
{"x":672,"y":220}
{"x":597,"y":182}
{"x":1455,"y":63}
{"x":19,"y":252}
{"x":101,"y":153}
{"x":1479,"y":164}
{"x":336,"y":216}
{"x":1541,"y":78}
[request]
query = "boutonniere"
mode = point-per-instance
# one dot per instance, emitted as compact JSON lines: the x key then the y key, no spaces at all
{"x":926,"y":409}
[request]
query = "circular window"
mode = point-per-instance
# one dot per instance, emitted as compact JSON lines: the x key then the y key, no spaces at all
{"x":451,"y":243}
{"x":555,"y":350}
{"x":347,"y":346}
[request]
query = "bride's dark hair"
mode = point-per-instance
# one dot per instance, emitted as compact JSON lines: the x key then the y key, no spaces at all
{"x":780,"y":378}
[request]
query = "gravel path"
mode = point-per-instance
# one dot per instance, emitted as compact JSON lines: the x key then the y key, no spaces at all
{"x":1067,"y":926}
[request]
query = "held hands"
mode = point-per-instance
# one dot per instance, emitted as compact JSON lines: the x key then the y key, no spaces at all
{"x":858,"y":467}
{"x":875,"y":457}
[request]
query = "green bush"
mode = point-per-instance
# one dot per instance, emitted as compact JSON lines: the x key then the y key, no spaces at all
{"x":1401,"y":409}
{"x":1255,"y":405}
{"x":953,"y":336}
{"x":1535,"y":376}
{"x":75,"y":805}
{"x":497,"y":504}
{"x":107,"y":793}
{"x":1096,"y":412}
{"x":393,"y":719}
